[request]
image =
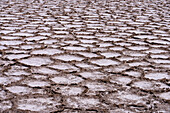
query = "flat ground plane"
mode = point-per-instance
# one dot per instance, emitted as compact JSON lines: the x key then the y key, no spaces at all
{"x":84,"y":56}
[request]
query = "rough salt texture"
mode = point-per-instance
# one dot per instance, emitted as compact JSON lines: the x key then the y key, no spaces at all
{"x":84,"y":56}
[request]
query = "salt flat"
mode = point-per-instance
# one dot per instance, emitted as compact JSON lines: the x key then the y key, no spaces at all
{"x":84,"y":56}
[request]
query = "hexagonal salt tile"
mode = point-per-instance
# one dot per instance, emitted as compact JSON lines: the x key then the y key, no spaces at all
{"x":95,"y":86}
{"x":36,"y":38}
{"x":69,"y":90}
{"x":145,"y":37}
{"x":36,"y":61}
{"x":165,"y":96}
{"x":15,"y":56}
{"x":19,"y":89}
{"x":5,"y":105}
{"x":82,"y":102}
{"x":44,"y":70}
{"x":157,"y":75}
{"x":16,"y":72}
{"x":150,"y":85}
{"x":22,"y":34}
{"x":11,"y":42}
{"x":43,"y":104}
{"x":8,"y":80}
{"x":126,"y":98}
{"x":46,"y":51}
{"x":105,"y":62}
{"x":159,"y":61}
{"x":93,"y":75}
{"x":133,"y":73}
{"x":123,"y":80}
{"x":110,"y":54}
{"x":138,"y":48}
{"x":68,"y":57}
{"x":64,"y":66}
{"x":88,"y":54}
{"x":86,"y":66}
{"x":74,"y":48}
{"x":68,"y":79}
{"x":37,"y":83}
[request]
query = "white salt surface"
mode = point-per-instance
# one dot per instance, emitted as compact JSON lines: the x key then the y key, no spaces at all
{"x":36,"y":61}
{"x":105,"y":62}
{"x":68,"y":57}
